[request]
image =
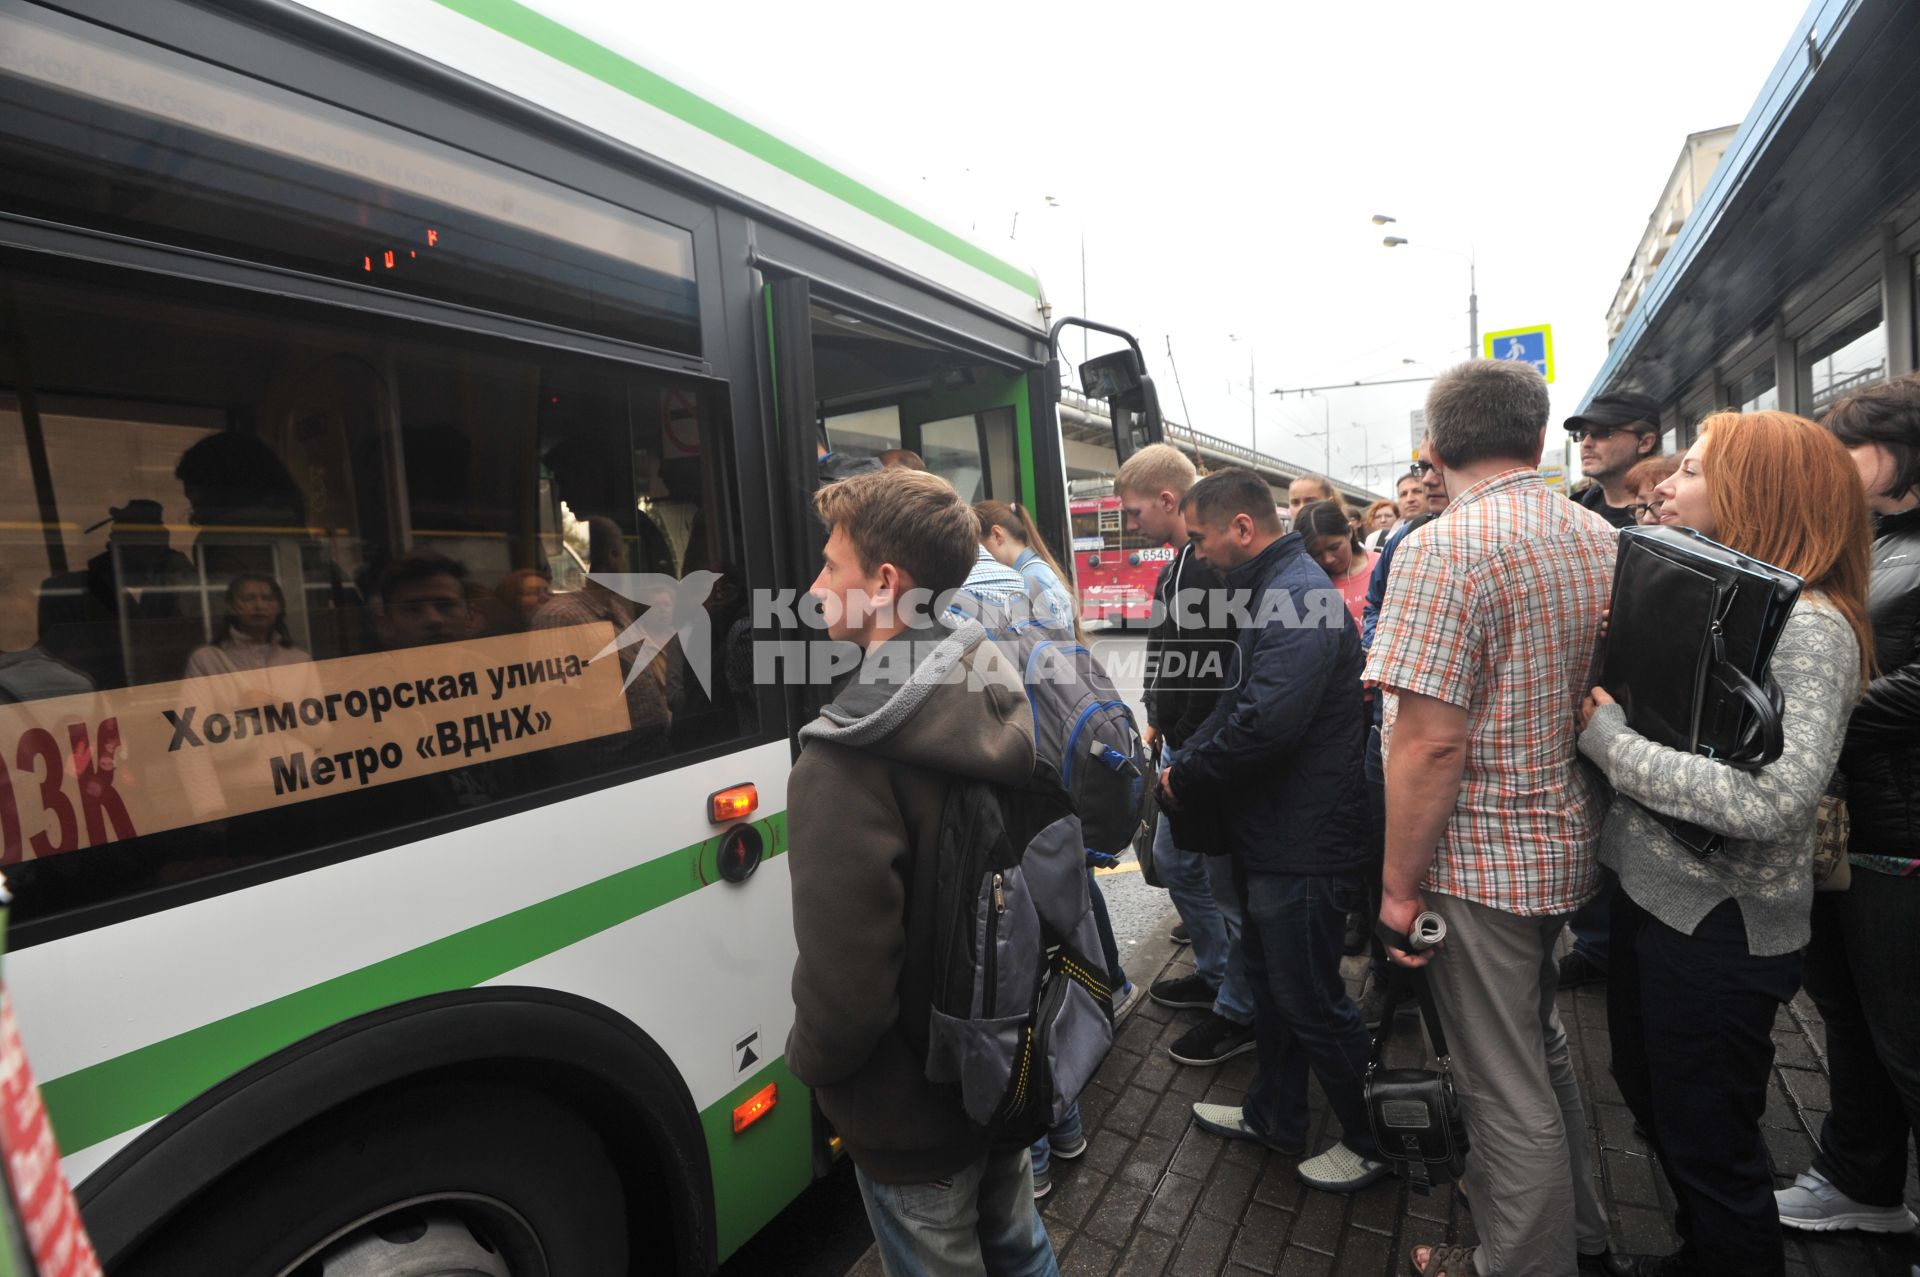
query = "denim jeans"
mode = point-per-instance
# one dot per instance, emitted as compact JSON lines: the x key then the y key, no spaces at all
{"x":1202,"y":890}
{"x":1303,"y":1018}
{"x":1591,"y":925}
{"x":1065,"y":1134}
{"x":982,"y":1220}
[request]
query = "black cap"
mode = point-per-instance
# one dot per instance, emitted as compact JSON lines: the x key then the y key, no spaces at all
{"x":1622,"y":409}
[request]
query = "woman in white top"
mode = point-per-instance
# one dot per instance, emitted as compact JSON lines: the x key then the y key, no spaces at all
{"x":254,"y":635}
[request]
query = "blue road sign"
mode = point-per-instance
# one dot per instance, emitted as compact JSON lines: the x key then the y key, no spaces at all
{"x":1528,"y":345}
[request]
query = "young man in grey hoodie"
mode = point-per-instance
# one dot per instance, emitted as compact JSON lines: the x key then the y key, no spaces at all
{"x":927,"y":705}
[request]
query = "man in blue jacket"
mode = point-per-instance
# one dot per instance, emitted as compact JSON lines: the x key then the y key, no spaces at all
{"x":1280,"y":760}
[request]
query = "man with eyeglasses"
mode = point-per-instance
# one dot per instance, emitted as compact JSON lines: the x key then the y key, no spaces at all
{"x":1615,"y":433}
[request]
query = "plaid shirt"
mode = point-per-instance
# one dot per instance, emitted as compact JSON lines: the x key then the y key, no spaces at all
{"x":1496,"y":607}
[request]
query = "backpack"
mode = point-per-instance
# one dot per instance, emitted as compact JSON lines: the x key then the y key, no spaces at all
{"x":1084,"y":734}
{"x":1003,"y":952}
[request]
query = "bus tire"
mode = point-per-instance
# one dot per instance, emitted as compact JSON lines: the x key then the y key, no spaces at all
{"x":528,"y":1176}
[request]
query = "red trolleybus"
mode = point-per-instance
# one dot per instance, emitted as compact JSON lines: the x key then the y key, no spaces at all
{"x":1113,"y":565}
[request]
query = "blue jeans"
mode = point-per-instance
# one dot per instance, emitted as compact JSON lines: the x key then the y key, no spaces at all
{"x":1591,"y":923}
{"x":981,"y":1220}
{"x":1065,"y":1133}
{"x":1202,"y":890}
{"x":1303,"y":1018}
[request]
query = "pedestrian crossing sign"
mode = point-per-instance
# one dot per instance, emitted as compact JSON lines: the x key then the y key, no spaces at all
{"x":1531,"y":345}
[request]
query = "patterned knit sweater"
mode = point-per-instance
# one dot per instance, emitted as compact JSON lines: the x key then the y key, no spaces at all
{"x":1767,"y":815}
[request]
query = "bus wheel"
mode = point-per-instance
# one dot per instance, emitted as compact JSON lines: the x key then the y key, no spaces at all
{"x":452,"y":1180}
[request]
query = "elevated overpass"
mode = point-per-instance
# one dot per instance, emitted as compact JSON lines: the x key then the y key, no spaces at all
{"x":1087,"y":431}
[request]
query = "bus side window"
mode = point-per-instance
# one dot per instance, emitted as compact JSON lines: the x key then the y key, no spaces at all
{"x":273,"y":579}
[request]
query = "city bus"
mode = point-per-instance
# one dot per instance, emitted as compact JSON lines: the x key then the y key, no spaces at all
{"x":1114,"y":569}
{"x":409,"y":417}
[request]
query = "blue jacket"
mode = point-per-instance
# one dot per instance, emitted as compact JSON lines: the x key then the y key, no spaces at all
{"x":1281,"y":754}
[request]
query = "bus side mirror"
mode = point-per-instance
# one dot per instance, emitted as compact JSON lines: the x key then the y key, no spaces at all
{"x":1121,"y":379}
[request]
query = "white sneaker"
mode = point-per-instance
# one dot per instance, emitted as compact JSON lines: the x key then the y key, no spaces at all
{"x":1812,"y":1203}
{"x":1341,"y":1170}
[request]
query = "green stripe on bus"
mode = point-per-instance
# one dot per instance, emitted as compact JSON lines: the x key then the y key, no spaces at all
{"x":536,"y":31}
{"x":757,"y":1172}
{"x":104,"y":1099}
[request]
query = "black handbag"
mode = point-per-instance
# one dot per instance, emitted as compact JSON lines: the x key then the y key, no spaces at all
{"x":1414,"y":1114}
{"x":1690,"y":636}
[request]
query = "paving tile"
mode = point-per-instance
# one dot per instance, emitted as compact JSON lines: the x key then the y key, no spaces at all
{"x":1129,"y":1112}
{"x":1113,"y":1218}
{"x":1792,"y":1050}
{"x":1204,"y":1249}
{"x":1376,"y":1209}
{"x":1790,"y":1151}
{"x":1071,"y":1199}
{"x":1225,"y":1194}
{"x":1320,"y":1221}
{"x":1367,"y":1255}
{"x":1279,"y":1183}
{"x":1632,"y":1178}
{"x":1261,"y":1237}
{"x":1148,"y":1163}
{"x":1197,"y":1153}
{"x":1301,"y":1262}
{"x":1809,"y":1089}
{"x":1172,"y":1205}
{"x":1171,"y":1116}
{"x":1089,"y":1257}
{"x":1106,"y":1151}
{"x":1780,"y":1112}
{"x":1145,"y":1256}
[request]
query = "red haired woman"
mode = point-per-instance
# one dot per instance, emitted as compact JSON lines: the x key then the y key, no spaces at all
{"x":1704,"y":951}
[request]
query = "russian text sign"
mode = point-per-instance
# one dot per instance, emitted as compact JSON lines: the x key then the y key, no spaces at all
{"x":98,"y":767}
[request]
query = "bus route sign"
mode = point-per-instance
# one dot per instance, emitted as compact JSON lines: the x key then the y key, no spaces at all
{"x":1530,"y":345}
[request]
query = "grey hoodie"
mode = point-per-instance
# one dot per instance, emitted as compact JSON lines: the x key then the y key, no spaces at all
{"x":870,"y":786}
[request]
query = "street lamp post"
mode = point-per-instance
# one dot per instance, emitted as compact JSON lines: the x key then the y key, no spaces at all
{"x":1253,"y":401}
{"x":1473,"y":282}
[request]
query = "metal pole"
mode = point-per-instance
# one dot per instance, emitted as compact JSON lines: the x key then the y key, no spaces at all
{"x":1473,"y":310}
{"x":1326,"y":416}
{"x":1253,"y":404}
{"x":1083,"y":294}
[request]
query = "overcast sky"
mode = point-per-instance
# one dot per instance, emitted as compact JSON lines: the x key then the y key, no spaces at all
{"x":1222,"y":163}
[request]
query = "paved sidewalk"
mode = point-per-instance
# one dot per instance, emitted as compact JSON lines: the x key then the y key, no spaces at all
{"x":1155,"y":1194}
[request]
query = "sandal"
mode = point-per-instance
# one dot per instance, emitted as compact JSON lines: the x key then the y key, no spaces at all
{"x":1443,"y":1260}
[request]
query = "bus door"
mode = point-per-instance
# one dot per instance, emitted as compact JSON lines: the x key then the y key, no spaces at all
{"x":850,"y":390}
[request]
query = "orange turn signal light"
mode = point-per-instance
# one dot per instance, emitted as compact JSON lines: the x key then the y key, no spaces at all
{"x":735,"y":802}
{"x":757,"y":1106}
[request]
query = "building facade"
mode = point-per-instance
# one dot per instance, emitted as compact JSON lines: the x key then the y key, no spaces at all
{"x":1793,"y":279}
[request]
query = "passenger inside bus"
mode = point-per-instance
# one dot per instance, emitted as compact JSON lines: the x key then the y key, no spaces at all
{"x":204,"y":466}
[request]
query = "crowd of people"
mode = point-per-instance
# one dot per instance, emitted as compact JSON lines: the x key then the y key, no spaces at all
{"x":1438,"y":742}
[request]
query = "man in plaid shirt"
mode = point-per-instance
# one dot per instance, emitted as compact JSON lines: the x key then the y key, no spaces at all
{"x":1484,"y":648}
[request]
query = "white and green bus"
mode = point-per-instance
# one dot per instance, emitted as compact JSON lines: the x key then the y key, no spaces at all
{"x":371,"y":915}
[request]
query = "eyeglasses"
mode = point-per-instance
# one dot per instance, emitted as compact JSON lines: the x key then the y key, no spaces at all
{"x":1641,"y":509}
{"x":1600,"y":433}
{"x":1420,"y":469}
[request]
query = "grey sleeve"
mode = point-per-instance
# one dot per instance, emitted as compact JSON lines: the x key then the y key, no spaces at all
{"x":1817,"y":665}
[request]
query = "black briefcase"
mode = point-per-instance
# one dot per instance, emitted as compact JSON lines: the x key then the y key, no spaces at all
{"x":1690,"y":636}
{"x":1414,"y":1114}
